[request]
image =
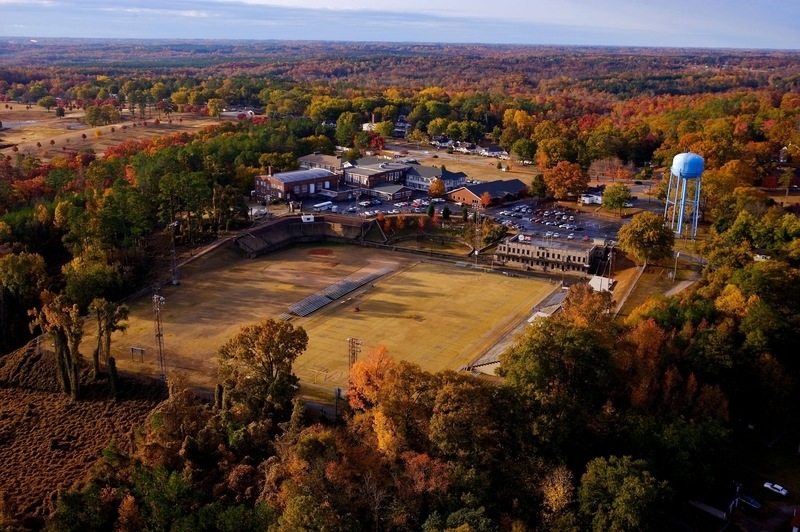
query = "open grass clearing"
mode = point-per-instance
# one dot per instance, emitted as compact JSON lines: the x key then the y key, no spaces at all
{"x":27,"y":127}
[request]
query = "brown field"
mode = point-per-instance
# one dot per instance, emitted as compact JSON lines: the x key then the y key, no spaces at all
{"x":437,"y":315}
{"x":482,"y":168}
{"x":27,"y":127}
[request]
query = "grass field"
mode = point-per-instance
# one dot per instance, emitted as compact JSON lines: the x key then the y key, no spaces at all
{"x":26,"y":128}
{"x":437,"y":315}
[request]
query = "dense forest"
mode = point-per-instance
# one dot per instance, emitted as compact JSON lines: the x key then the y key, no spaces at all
{"x":597,"y":424}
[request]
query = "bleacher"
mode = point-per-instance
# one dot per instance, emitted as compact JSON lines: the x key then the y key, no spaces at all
{"x":252,"y":244}
{"x":310,"y":304}
{"x":333,"y":292}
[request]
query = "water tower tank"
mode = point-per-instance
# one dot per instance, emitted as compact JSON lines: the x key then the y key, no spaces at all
{"x":683,"y":200}
{"x":687,"y":165}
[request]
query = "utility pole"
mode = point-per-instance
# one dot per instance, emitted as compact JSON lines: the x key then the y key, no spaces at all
{"x":158,"y":301}
{"x":675,"y":269}
{"x":477,"y":235}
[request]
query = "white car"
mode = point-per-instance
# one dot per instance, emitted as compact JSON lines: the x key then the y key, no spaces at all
{"x":556,"y":235}
{"x":570,"y":236}
{"x":776,"y":488}
{"x":393,"y":211}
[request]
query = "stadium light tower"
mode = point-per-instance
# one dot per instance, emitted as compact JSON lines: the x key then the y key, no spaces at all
{"x":353,"y":349}
{"x":158,"y":301}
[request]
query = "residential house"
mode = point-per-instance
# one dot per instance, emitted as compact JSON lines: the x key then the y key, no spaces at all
{"x":498,"y":192}
{"x":492,"y":151}
{"x":419,"y":177}
{"x":401,"y":127}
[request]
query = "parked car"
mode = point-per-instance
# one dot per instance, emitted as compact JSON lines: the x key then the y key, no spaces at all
{"x":570,"y":236}
{"x":776,"y":488}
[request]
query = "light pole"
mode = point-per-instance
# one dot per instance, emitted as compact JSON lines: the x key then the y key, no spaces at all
{"x":158,"y":301}
{"x":675,"y":269}
{"x":175,"y":281}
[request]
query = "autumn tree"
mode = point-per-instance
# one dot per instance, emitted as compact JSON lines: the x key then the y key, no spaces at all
{"x":62,"y":322}
{"x":616,"y":196}
{"x":436,"y":188}
{"x":347,"y":126}
{"x":109,"y":317}
{"x":538,"y":187}
{"x":22,"y":277}
{"x":620,"y":494}
{"x":565,"y":179}
{"x":215,"y":107}
{"x":562,"y":369}
{"x":647,"y":238}
{"x":385,"y":129}
{"x":418,"y":136}
{"x":48,"y":102}
{"x":524,"y":150}
{"x":558,"y":495}
{"x":610,"y":168}
{"x":255,"y":367}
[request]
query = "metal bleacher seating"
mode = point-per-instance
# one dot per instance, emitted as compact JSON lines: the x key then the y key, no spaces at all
{"x":333,"y":292}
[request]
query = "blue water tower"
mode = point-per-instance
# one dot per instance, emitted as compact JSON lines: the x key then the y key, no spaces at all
{"x":686,"y":170}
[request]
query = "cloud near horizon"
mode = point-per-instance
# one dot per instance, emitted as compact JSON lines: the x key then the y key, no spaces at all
{"x":674,"y":23}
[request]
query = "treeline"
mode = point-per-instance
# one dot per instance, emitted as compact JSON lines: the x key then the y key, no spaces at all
{"x":459,"y":67}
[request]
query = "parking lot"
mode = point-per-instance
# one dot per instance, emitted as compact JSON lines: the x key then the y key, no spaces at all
{"x":556,"y":222}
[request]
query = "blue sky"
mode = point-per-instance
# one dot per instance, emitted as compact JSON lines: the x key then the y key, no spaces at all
{"x":675,"y":23}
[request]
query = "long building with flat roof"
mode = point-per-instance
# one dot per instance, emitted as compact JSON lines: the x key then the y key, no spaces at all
{"x":549,"y":254}
{"x":294,"y":185}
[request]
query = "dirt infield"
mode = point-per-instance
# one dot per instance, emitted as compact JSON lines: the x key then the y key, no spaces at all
{"x":440,"y":316}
